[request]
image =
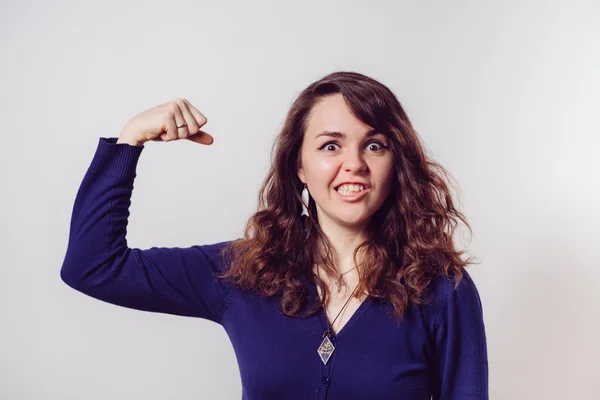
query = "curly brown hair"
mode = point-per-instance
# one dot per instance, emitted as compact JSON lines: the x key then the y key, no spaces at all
{"x":408,"y":241}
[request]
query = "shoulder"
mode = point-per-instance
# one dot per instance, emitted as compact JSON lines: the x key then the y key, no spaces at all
{"x":449,"y":298}
{"x":215,"y":249}
{"x":217,"y":253}
{"x":446,"y":288}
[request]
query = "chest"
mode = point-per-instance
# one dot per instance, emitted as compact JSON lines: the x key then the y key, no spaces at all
{"x":340,"y":305}
{"x":339,"y":315}
{"x":375,"y":356}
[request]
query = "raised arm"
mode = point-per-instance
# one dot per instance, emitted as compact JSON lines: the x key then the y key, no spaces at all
{"x":99,"y":263}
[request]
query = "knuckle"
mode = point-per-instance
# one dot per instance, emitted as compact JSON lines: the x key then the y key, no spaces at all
{"x":172,"y":108}
{"x":192,"y":127}
{"x":169,"y":112}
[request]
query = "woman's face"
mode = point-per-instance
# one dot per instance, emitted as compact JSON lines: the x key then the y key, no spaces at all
{"x":337,"y":148}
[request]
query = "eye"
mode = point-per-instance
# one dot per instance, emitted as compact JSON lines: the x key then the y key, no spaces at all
{"x":381,"y":145}
{"x":328,"y":144}
{"x":372,"y":142}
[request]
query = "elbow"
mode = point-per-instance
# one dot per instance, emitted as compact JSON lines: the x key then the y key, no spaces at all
{"x":80,"y":272}
{"x":71,"y":276}
{"x":84,"y":273}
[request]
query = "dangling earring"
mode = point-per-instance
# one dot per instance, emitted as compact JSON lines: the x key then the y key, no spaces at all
{"x":304,"y":201}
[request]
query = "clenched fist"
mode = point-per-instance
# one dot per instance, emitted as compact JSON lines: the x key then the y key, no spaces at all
{"x":176,"y":119}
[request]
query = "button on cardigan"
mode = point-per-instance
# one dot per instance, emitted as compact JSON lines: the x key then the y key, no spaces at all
{"x":438,"y":351}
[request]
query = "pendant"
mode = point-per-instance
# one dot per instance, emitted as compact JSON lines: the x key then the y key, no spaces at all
{"x":325,"y":349}
{"x":338,"y":283}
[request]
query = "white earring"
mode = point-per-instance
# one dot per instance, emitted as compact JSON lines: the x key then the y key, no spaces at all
{"x":304,"y":201}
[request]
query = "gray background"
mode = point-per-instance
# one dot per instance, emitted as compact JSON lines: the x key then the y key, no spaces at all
{"x":505,"y":95}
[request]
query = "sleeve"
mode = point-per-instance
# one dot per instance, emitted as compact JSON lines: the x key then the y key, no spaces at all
{"x":460,"y":363}
{"x":99,"y":263}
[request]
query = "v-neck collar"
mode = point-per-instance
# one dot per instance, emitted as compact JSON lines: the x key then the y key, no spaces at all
{"x":322,"y":314}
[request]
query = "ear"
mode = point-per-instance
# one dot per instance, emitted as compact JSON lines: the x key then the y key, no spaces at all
{"x":301,"y":175}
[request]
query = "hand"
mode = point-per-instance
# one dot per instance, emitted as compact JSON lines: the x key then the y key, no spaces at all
{"x":160,"y":123}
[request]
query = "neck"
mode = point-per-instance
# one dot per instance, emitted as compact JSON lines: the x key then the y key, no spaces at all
{"x":344,"y":241}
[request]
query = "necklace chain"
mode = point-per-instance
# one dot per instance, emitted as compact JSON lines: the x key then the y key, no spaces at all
{"x":338,"y":282}
{"x":327,"y":348}
{"x":329,"y":331}
{"x":344,"y":273}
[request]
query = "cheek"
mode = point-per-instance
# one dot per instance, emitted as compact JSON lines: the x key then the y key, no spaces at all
{"x":322,"y":171}
{"x":386,"y":174}
{"x":328,"y":166}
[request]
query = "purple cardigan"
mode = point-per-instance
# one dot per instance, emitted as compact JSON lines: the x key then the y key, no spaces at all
{"x":438,"y":351}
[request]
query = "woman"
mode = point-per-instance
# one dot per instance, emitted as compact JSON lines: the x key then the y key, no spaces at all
{"x":346,"y":284}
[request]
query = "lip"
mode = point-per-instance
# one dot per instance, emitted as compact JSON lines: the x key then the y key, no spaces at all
{"x":355,"y":197}
{"x":352,"y":183}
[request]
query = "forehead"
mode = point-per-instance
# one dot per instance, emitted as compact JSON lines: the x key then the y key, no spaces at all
{"x":331,"y":114}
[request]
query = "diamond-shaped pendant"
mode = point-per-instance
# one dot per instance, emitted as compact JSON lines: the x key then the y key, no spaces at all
{"x":325,"y":349}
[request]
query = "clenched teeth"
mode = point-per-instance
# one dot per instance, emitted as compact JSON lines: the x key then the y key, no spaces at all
{"x":349,"y":189}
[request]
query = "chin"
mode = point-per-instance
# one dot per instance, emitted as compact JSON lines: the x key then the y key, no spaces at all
{"x":352,"y":220}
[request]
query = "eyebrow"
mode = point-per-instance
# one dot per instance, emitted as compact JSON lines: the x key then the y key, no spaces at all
{"x":342,"y":135}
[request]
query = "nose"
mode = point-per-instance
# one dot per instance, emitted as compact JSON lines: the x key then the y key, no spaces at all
{"x":354,"y":161}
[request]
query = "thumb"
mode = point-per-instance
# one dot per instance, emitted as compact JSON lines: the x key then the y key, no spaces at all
{"x":201,"y":137}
